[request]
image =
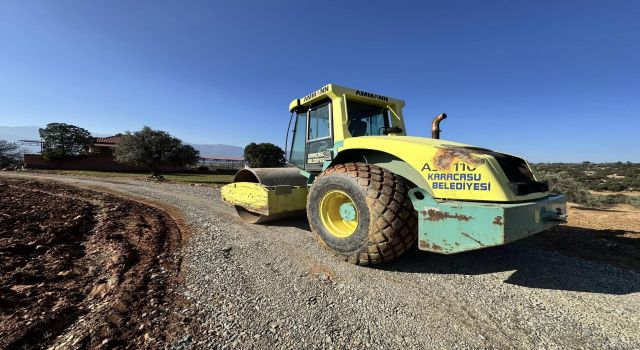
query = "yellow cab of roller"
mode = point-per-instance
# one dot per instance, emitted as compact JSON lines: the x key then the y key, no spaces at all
{"x":446,"y":169}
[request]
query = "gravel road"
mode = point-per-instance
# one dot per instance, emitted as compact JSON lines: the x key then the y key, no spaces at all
{"x":273,"y":286}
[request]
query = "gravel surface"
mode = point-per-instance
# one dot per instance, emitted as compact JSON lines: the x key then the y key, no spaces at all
{"x":273,"y":286}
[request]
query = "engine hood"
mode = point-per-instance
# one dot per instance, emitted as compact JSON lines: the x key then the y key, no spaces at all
{"x":453,"y":170}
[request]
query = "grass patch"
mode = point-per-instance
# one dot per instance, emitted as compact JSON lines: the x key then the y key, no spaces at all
{"x":205,"y":179}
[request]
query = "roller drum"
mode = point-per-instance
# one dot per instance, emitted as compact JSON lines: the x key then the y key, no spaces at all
{"x":285,"y":190}
{"x":271,"y":177}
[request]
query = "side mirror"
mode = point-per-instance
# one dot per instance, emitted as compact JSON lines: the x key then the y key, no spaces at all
{"x":392,"y":130}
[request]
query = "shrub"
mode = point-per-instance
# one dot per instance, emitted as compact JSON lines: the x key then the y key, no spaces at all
{"x":576,"y":192}
{"x":264,"y":155}
{"x":635,"y":201}
{"x":621,"y":199}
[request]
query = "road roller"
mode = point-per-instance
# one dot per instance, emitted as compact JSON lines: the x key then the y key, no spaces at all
{"x":370,"y":192}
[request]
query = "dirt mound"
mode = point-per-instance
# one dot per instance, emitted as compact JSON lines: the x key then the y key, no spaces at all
{"x":84,"y":269}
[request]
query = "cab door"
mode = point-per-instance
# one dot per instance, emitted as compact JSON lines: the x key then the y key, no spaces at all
{"x":312,"y":137}
{"x":297,"y":154}
{"x":319,"y":136}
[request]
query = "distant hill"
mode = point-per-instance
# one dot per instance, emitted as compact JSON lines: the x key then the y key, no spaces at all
{"x":15,"y":133}
{"x":218,"y":150}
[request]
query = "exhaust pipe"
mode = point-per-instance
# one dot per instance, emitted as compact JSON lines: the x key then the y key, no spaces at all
{"x":435,"y":125}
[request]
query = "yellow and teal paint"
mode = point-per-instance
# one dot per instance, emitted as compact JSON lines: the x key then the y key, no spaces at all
{"x":461,"y":193}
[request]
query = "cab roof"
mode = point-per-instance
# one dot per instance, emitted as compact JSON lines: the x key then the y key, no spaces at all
{"x":334,"y":91}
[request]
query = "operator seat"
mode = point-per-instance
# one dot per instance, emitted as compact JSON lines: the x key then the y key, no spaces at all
{"x":357,"y":127}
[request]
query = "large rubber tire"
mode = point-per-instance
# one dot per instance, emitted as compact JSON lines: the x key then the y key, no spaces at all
{"x":387,"y":223}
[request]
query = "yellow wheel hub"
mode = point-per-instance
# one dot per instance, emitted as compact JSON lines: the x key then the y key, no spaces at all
{"x":338,"y":213}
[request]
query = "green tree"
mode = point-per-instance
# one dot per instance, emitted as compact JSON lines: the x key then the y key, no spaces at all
{"x":154,"y":149}
{"x":9,"y":153}
{"x":64,"y":140}
{"x":264,"y":155}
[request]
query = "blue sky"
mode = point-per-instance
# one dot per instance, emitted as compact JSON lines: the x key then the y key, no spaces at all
{"x":550,"y":81}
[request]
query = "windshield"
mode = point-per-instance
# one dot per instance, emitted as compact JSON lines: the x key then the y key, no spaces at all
{"x":365,"y":120}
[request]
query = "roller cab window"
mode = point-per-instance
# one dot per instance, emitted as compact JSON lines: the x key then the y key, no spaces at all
{"x":298,"y":144}
{"x":312,"y":137}
{"x":319,"y":136}
{"x":366,"y":120}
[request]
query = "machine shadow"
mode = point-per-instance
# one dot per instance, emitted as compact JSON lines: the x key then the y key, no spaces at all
{"x":614,"y":247}
{"x":609,"y":210}
{"x":543,"y":261}
{"x":297,"y":222}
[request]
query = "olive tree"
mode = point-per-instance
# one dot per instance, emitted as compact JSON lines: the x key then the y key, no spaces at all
{"x":264,"y":155}
{"x":64,"y":140}
{"x":154,"y":149}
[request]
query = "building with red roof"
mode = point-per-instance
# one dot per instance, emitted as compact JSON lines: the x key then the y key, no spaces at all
{"x":105,"y":145}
